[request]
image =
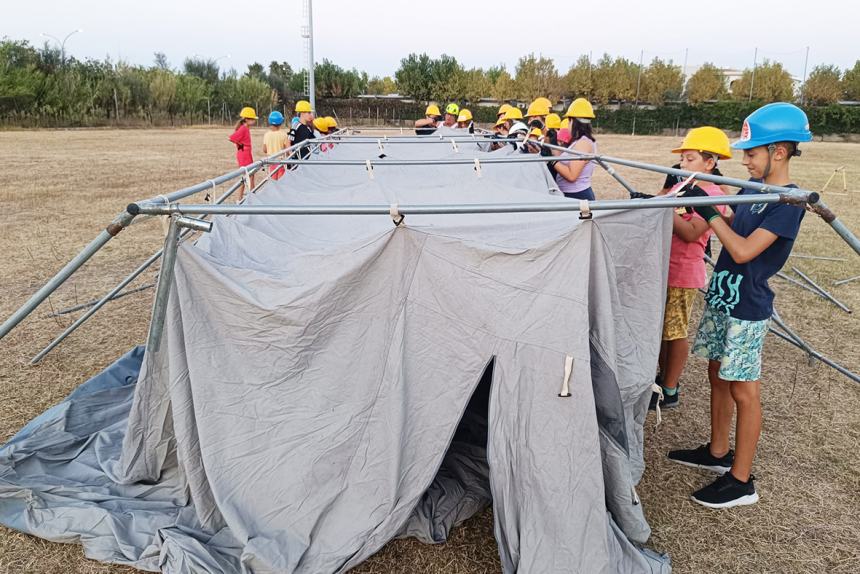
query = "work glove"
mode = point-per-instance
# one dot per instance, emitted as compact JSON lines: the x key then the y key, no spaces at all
{"x":640,"y":195}
{"x":707,"y":212}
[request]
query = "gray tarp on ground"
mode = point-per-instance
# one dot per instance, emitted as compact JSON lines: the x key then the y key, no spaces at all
{"x":313,"y":371}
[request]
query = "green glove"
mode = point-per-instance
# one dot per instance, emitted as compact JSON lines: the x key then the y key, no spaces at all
{"x":707,"y":212}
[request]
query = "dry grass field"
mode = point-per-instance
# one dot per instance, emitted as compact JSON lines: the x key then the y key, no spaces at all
{"x":58,"y":189}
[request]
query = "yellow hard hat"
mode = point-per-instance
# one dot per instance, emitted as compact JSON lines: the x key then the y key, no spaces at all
{"x":332,"y":123}
{"x":465,"y":116}
{"x":432,"y":110}
{"x":452,"y":109}
{"x":503,"y":109}
{"x":303,"y":106}
{"x":580,"y":109}
{"x":513,"y":114}
{"x":537,"y":108}
{"x":553,"y":122}
{"x":499,"y":122}
{"x":536,"y":132}
{"x":321,"y":124}
{"x":543,"y":101}
{"x":565,"y":124}
{"x":708,"y":139}
{"x":248,"y":113}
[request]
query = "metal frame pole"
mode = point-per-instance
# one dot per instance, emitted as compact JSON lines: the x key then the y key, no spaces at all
{"x":162,"y":291}
{"x":823,"y":293}
{"x":119,"y":223}
{"x":115,"y":292}
{"x":583,"y":207}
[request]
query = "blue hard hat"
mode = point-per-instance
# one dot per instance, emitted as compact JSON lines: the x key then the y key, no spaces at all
{"x":777,"y":122}
{"x":276,"y":118}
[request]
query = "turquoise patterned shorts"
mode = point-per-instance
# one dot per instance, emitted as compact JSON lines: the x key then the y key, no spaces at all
{"x":735,"y":343}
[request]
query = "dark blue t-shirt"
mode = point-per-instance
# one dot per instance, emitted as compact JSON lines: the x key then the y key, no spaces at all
{"x":741,"y":290}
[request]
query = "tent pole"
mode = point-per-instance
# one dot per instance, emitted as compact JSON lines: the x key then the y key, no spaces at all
{"x":114,"y":293}
{"x":815,"y":205}
{"x":543,"y":207}
{"x":162,"y":290}
{"x":119,"y":223}
{"x":611,"y":171}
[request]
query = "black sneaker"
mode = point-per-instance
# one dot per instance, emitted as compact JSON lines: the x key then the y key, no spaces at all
{"x":702,"y":458}
{"x":726,"y":492}
{"x":671,"y":401}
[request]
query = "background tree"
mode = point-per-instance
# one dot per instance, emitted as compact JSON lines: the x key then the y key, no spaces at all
{"x":823,"y":86}
{"x":205,"y":69}
{"x":707,"y":84}
{"x":661,"y":81}
{"x":772,"y":83}
{"x":476,"y":85}
{"x":504,"y":87}
{"x":851,"y":83}
{"x":578,"y":80}
{"x":161,"y":61}
{"x":279,"y":76}
{"x":414,"y":77}
{"x":445,"y":79}
{"x":256,"y":70}
{"x":614,"y":79}
{"x":535,"y":77}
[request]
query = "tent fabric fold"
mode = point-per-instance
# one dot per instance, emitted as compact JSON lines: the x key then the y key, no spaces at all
{"x":325,"y":384}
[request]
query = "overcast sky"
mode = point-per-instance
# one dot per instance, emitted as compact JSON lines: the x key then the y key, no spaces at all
{"x":373,"y":35}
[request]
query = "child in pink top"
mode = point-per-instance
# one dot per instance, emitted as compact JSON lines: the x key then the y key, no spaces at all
{"x":241,"y":137}
{"x":700,"y":151}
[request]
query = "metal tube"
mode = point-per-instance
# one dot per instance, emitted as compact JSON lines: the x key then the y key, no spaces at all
{"x":794,"y":281}
{"x":88,"y":304}
{"x":162,"y":291}
{"x":549,"y":206}
{"x":815,"y":202}
{"x":816,"y":257}
{"x":849,"y":280}
{"x":118,"y":224}
{"x":526,"y":158}
{"x":815,"y":354}
{"x":115,"y":292}
{"x":815,"y":285}
{"x":112,"y":294}
{"x":611,"y":171}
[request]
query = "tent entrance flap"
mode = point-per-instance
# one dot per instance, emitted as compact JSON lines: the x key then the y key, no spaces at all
{"x":461,"y":487}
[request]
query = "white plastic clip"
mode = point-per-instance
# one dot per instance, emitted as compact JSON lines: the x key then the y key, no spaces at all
{"x":379,"y":143}
{"x":247,"y":179}
{"x":568,"y":369}
{"x":584,"y":210}
{"x":454,"y":145}
{"x":395,"y":214}
{"x":659,"y":390}
{"x":210,"y":196}
{"x":686,"y":181}
{"x":369,"y":167}
{"x":478,"y":167}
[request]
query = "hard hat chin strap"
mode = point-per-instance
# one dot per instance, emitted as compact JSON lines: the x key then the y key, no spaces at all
{"x":770,"y":149}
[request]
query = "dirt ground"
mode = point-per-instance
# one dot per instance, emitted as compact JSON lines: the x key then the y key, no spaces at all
{"x":58,"y":189}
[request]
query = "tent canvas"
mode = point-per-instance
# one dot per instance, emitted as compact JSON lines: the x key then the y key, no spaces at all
{"x":314,"y":370}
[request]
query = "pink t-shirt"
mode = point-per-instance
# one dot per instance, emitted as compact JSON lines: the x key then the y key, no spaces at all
{"x":686,"y":261}
{"x":242,"y":138}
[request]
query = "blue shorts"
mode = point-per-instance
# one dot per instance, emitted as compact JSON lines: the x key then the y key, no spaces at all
{"x":735,"y":343}
{"x":584,"y":194}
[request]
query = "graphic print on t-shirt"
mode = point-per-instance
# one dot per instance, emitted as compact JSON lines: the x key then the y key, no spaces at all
{"x":724,"y":292}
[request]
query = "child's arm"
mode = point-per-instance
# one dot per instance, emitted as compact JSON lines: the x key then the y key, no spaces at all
{"x":742,"y":249}
{"x":572,"y":168}
{"x":689,"y":229}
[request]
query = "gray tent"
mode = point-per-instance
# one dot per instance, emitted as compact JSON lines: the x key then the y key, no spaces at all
{"x":327,"y":383}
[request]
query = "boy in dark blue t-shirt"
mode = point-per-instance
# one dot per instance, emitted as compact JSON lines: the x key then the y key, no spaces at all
{"x":756,"y":244}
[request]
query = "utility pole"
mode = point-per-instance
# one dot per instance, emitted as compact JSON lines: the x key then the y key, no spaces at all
{"x":803,"y":85}
{"x":62,"y":43}
{"x":684,"y":87}
{"x":752,"y":81}
{"x":308,"y":35}
{"x":638,"y":84}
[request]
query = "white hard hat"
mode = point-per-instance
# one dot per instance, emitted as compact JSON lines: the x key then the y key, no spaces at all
{"x":518,"y":127}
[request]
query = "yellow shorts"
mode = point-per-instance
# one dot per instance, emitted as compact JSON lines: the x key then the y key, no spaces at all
{"x":679,"y":304}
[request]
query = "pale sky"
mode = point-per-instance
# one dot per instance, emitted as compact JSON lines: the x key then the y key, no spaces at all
{"x":373,"y":35}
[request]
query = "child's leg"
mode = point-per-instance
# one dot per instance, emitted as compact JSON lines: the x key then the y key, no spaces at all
{"x":661,"y":361}
{"x":747,"y":396}
{"x":722,"y":410}
{"x":676,"y":359}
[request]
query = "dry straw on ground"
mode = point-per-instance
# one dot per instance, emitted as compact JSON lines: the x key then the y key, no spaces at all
{"x":59,"y":188}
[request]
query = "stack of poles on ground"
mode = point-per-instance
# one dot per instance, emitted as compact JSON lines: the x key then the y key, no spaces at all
{"x":182,"y":226}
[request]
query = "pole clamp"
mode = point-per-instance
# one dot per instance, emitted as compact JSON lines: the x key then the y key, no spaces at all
{"x":369,"y":167}
{"x":396,"y":216}
{"x":478,"y":167}
{"x":565,"y":384}
{"x":454,"y":145}
{"x":584,"y":210}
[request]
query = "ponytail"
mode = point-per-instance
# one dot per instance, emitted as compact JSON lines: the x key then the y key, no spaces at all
{"x":239,"y":124}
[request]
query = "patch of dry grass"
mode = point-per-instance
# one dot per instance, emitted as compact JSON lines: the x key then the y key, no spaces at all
{"x":808,"y":465}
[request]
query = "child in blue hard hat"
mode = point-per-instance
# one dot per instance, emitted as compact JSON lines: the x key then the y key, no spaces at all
{"x":274,"y":141}
{"x":756,"y":243}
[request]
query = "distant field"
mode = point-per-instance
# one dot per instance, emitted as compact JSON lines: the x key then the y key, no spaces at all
{"x":58,"y":189}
